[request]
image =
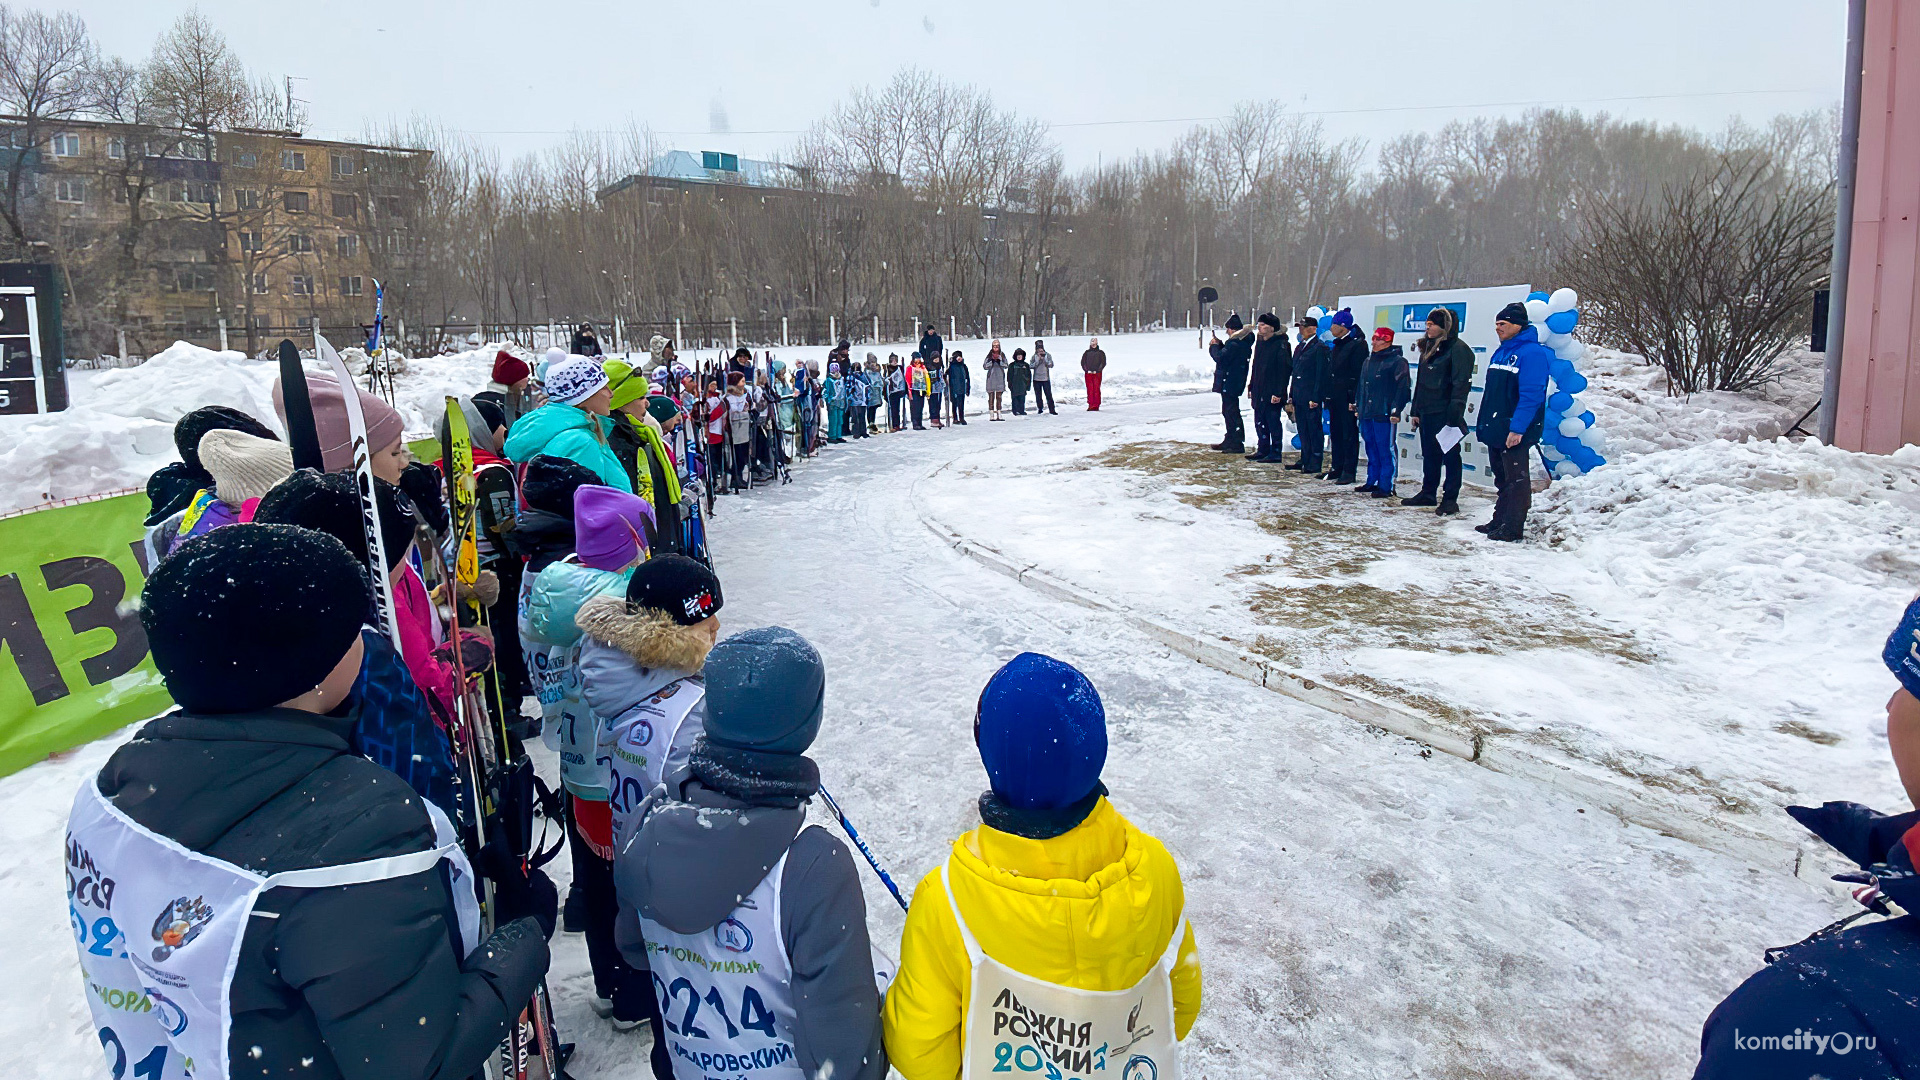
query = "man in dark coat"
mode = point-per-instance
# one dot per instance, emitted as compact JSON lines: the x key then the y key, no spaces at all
{"x":585,"y":341}
{"x":1512,"y":413}
{"x":1439,"y":402}
{"x":1305,"y":400}
{"x":932,"y":349}
{"x":1844,"y":1003}
{"x":1230,"y":360}
{"x":959,"y":385}
{"x":1347,"y":352}
{"x":254,"y":769}
{"x":1267,"y":385}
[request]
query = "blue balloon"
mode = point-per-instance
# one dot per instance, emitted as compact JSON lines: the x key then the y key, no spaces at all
{"x":1587,"y":418}
{"x":1554,"y":416}
{"x":1559,"y":369}
{"x":1538,"y":295}
{"x":1563,"y":322}
{"x":1558,"y":402}
{"x":1296,"y":442}
{"x":1572,"y":382}
{"x":1325,"y":324}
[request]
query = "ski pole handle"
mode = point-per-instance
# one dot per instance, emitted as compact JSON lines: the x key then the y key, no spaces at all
{"x":854,"y":835}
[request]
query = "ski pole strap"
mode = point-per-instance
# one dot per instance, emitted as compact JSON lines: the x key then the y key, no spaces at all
{"x":854,"y":835}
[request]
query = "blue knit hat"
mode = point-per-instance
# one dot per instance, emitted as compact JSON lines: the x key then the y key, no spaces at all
{"x":1902,"y":652}
{"x":1343,"y":317}
{"x":766,"y":690}
{"x":1042,"y":733}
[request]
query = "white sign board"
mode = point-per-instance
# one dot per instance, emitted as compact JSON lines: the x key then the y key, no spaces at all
{"x":1406,"y":313}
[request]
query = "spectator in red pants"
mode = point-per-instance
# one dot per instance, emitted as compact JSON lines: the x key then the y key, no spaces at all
{"x":1093,"y":362}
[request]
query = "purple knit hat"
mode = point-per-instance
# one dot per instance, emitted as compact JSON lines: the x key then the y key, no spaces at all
{"x":610,"y":526}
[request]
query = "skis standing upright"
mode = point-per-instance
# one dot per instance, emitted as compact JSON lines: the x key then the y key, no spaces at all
{"x":301,"y":436}
{"x":363,"y":480}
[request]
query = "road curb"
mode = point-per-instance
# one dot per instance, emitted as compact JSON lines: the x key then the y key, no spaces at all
{"x":1500,"y":754}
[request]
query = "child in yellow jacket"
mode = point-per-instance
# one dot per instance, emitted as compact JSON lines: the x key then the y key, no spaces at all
{"x":1054,"y":937}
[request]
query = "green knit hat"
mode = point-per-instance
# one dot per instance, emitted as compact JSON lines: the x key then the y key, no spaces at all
{"x":661,"y":408}
{"x":628,"y":385}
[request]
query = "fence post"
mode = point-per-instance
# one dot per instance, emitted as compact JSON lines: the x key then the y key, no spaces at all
{"x":1055,"y":332}
{"x":833,"y":331}
{"x":733,"y":328}
{"x":876,"y":329}
{"x":953,"y":327}
{"x":783,"y":331}
{"x":989,"y":328}
{"x":223,"y":335}
{"x":1083,"y":324}
{"x":123,"y":347}
{"x":1023,"y":326}
{"x":678,"y":341}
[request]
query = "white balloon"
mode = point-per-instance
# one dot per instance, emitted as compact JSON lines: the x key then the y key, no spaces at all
{"x":1563,"y":299}
{"x":1537,"y":313}
{"x":1552,"y":452}
{"x":1553,"y":339}
{"x":1566,"y":469}
{"x":1569,"y":348}
{"x":1574,"y":407}
{"x":1594,"y":439}
{"x":1571,"y":427}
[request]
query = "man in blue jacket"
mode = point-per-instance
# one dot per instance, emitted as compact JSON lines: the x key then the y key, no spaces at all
{"x":1230,"y":360}
{"x":1511,"y":415}
{"x":1844,"y":1003}
{"x":1304,"y":401}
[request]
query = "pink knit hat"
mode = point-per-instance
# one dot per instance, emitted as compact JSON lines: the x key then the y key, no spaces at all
{"x":330,"y":420}
{"x":610,"y":526}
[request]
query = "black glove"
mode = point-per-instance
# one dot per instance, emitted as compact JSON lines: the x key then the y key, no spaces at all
{"x":1862,"y":834}
{"x":421,"y":482}
{"x":513,"y":959}
{"x":519,"y":894}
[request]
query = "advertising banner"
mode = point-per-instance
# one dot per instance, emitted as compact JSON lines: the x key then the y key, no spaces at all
{"x":1406,"y":313}
{"x":73,"y":657}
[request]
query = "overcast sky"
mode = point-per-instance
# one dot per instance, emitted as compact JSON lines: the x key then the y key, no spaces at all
{"x":519,"y":73}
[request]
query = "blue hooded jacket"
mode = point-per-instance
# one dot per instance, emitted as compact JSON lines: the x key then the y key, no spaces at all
{"x":568,"y":432}
{"x":1516,"y":390}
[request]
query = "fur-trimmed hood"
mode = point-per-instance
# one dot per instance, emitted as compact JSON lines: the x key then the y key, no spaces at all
{"x":651,"y":638}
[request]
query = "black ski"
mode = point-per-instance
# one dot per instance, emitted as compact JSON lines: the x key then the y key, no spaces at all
{"x":301,"y":436}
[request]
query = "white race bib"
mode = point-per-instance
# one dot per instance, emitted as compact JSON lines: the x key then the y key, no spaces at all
{"x":160,"y":929}
{"x":643,"y":744}
{"x":1019,"y":1026}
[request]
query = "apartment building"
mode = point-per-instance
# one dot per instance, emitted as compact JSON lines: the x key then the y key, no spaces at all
{"x":269,"y":232}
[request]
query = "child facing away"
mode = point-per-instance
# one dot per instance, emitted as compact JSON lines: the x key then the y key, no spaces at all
{"x":362,"y":957}
{"x":1055,"y":902}
{"x":752,"y":921}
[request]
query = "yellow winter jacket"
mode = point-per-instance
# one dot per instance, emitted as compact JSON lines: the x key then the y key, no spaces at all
{"x":1093,"y":908}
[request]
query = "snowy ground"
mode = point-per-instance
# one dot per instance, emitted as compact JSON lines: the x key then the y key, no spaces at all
{"x":1363,"y":910}
{"x":120,"y":426}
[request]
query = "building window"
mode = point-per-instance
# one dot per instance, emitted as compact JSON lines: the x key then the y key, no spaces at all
{"x":299,"y":244}
{"x":246,"y":159}
{"x":348,"y":246}
{"x":297,"y":202}
{"x":350,"y":286}
{"x":300,"y":285}
{"x":342,"y":166}
{"x":250,"y":240}
{"x":193,"y":150}
{"x":246,"y":199}
{"x":719,"y":162}
{"x":66,"y":145}
{"x":346,"y":206}
{"x":193,"y":277}
{"x":176,"y":193}
{"x":116,"y":148}
{"x":260,"y":284}
{"x":391,"y":206}
{"x":70,"y":191}
{"x":200,"y":191}
{"x":293,"y":160}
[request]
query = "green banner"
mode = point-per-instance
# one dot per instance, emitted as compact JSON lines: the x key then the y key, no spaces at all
{"x":73,"y":657}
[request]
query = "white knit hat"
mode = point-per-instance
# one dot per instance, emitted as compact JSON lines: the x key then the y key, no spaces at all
{"x":574,"y":381}
{"x":243,"y":466}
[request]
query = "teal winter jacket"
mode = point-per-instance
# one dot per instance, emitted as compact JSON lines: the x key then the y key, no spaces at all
{"x":565,"y":431}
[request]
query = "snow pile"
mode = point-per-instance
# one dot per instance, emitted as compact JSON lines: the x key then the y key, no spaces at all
{"x":1630,"y":403}
{"x":1747,"y":536}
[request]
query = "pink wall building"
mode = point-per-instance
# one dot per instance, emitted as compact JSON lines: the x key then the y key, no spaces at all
{"x":1879,"y":402}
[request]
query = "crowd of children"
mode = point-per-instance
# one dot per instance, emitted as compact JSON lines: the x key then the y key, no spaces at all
{"x":317,"y":807}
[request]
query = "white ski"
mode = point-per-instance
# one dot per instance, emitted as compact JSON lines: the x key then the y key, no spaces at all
{"x":363,"y":480}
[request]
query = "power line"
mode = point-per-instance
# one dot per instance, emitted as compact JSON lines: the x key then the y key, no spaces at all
{"x":1199,"y":119}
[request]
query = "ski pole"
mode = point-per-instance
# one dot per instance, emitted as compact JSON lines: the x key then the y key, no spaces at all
{"x":854,"y":835}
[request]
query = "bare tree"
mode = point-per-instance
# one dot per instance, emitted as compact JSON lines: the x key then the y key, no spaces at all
{"x":1713,"y":277}
{"x":47,"y":75}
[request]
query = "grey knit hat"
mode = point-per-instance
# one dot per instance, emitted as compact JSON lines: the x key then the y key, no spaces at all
{"x":243,"y":466}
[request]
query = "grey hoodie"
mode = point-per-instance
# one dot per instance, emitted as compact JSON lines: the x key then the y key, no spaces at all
{"x":699,"y":852}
